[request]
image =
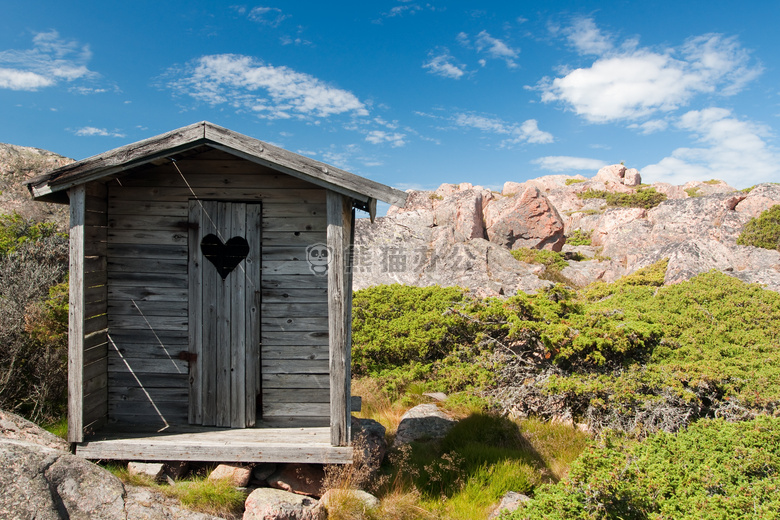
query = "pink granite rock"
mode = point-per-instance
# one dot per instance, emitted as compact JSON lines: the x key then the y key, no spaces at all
{"x":524,"y":220}
{"x":237,"y":475}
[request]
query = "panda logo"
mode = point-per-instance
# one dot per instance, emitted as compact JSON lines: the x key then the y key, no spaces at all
{"x":318,"y":256}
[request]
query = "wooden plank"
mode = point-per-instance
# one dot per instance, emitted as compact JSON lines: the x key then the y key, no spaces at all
{"x":95,"y":354}
{"x":295,"y":366}
{"x":147,"y":265}
{"x":308,"y":224}
{"x":136,"y":236}
{"x":294,"y":281}
{"x":286,"y":409}
{"x":95,"y":369}
{"x":199,"y":177}
{"x":238,"y":292}
{"x":223,"y":221}
{"x":147,"y":294}
{"x":148,"y":222}
{"x":172,"y":411}
{"x":127,"y":322}
{"x":215,"y":452}
{"x":280,"y":338}
{"x":173,"y":194}
{"x":303,"y":296}
{"x":159,"y":251}
{"x":159,"y":208}
{"x":94,"y":340}
{"x":94,"y":263}
{"x":96,"y":293}
{"x":295,"y":381}
{"x":159,"y":365}
{"x":195,"y":315}
{"x":177,"y":280}
{"x":276,"y":209}
{"x":148,"y":380}
{"x":288,"y":267}
{"x":96,"y":406}
{"x":252,"y":313}
{"x":339,"y":211}
{"x":148,"y":308}
{"x":131,"y":393}
{"x":151,"y":351}
{"x":295,"y":324}
{"x":94,"y":324}
{"x":96,"y":383}
{"x":301,"y":395}
{"x":95,"y":219}
{"x":210,"y":280}
{"x":95,"y":279}
{"x":292,"y":238}
{"x":93,"y":309}
{"x":295,"y":310}
{"x":166,"y":337}
{"x":308,"y":352}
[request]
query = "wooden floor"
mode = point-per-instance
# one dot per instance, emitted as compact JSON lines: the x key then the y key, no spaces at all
{"x":201,"y":443}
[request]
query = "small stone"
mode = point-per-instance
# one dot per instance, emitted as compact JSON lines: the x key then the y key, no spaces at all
{"x":237,"y":475}
{"x":177,"y":469}
{"x":436,"y":396}
{"x":262,"y":471}
{"x":510,"y":502}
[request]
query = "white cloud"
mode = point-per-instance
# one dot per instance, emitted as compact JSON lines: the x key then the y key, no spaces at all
{"x":395,"y":139}
{"x":90,"y":131}
{"x":270,"y":16}
{"x":587,"y":38}
{"x":650,"y":127}
{"x":441,"y":63}
{"x":496,"y":48}
{"x":733,"y":150}
{"x":285,"y":93}
{"x":527,"y":131}
{"x":51,"y":60}
{"x":560,"y":163}
{"x":637,"y":82}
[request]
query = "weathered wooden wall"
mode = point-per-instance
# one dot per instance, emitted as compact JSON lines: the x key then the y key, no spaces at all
{"x":87,"y":360}
{"x":147,"y":289}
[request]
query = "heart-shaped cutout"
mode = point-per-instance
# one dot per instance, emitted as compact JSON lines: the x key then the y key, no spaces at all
{"x":225,"y":257}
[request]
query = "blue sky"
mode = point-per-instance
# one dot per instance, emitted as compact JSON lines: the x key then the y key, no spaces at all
{"x":408,"y":93}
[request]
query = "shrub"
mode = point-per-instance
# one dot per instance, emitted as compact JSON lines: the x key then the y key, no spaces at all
{"x":693,"y":192}
{"x":569,"y":182}
{"x":590,"y":193}
{"x":642,"y":198}
{"x":33,"y":378}
{"x":552,"y":261}
{"x":579,"y":237}
{"x":762,"y":231}
{"x":713,"y":469}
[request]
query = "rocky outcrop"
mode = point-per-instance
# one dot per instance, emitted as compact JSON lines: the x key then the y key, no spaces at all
{"x":462,"y":235}
{"x":40,"y":479}
{"x":19,"y":163}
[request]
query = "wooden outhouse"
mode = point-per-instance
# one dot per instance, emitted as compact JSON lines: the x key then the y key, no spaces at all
{"x":210,"y":299}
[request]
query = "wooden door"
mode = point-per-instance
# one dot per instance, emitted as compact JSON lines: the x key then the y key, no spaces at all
{"x":224,"y":312}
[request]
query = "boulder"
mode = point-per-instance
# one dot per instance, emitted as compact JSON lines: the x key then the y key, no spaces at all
{"x":275,"y":504}
{"x":613,"y":173}
{"x":14,"y":427}
{"x":143,"y":503}
{"x":261,"y":472}
{"x":423,"y":422}
{"x":237,"y":474}
{"x":631,"y":177}
{"x":463,"y":209}
{"x":524,"y":220}
{"x":301,"y":479}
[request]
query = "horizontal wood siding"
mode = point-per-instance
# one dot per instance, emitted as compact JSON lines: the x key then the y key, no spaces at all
{"x":148,"y":315}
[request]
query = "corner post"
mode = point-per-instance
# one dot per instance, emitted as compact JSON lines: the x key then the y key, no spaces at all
{"x":77,"y":196}
{"x":339,"y":217}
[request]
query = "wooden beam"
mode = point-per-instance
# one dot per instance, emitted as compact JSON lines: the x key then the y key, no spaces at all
{"x":339,"y":216}
{"x":76,"y":316}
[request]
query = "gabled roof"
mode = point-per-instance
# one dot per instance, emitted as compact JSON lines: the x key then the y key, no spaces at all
{"x":365,"y":192}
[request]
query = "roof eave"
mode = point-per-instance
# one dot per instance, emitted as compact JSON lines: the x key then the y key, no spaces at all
{"x":182,"y":139}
